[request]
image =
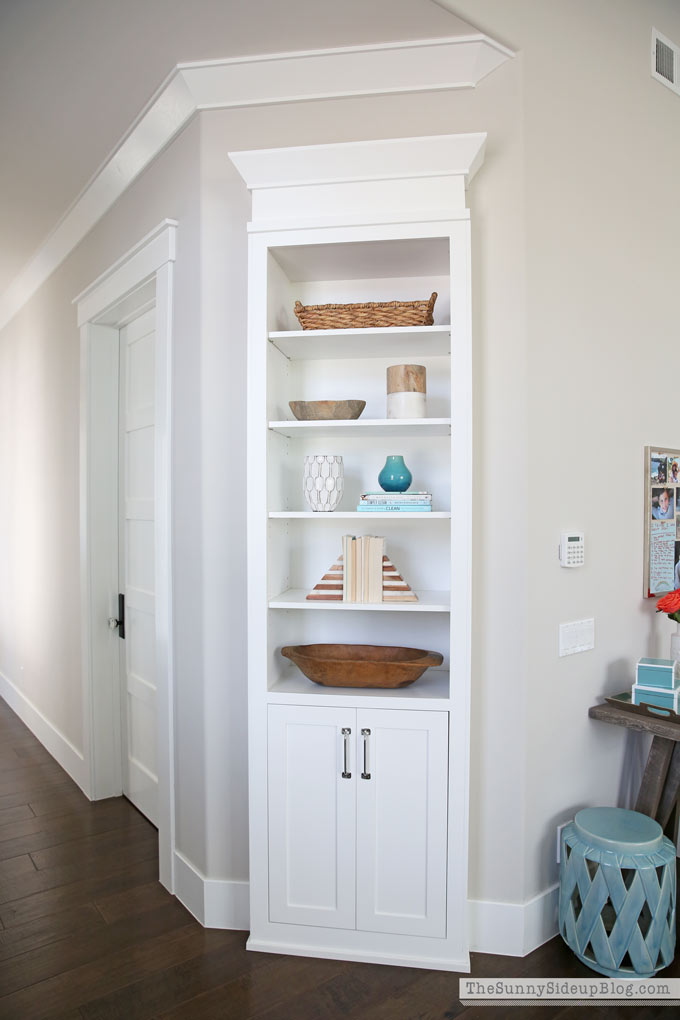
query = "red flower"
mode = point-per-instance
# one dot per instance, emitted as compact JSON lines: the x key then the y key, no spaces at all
{"x":669,"y":603}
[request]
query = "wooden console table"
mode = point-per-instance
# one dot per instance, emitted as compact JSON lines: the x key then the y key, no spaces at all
{"x":660,"y":787}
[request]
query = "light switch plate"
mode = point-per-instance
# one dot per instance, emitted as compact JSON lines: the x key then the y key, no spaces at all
{"x":578,"y":636}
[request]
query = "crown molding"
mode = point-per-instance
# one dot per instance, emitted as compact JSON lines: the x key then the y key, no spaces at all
{"x":376,"y":160}
{"x":363,"y":179}
{"x":417,"y":66}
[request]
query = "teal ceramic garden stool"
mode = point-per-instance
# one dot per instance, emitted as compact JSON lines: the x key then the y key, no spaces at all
{"x":617,"y":892}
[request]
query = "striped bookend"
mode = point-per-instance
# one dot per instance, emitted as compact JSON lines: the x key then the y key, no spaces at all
{"x":395,"y":588}
{"x":330,"y":587}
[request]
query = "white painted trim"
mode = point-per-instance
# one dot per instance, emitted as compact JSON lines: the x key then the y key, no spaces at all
{"x":413,"y":66}
{"x":367,"y":203}
{"x":128,"y":274}
{"x":459,"y":61}
{"x":227,"y":904}
{"x":390,"y":180}
{"x":52,"y":739}
{"x":386,"y":159}
{"x":501,"y":929}
{"x":189,"y":883}
{"x":103,"y":308}
{"x":214,"y":903}
{"x":165,"y":750}
{"x":312,"y":949}
{"x":513,"y":929}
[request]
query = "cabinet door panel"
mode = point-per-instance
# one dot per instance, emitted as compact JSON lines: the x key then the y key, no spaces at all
{"x":401,"y":822}
{"x":312,"y":817}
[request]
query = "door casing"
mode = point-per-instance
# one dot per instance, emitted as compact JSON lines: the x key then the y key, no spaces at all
{"x":142,"y":278}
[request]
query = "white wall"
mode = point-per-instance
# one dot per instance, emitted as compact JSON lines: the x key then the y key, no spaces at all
{"x":601,"y":222}
{"x":574,"y":220}
{"x":602,"y":269}
{"x":39,"y":578}
{"x":39,"y":466}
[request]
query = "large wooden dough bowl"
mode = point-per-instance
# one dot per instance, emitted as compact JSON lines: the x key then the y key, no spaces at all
{"x":361,"y":665}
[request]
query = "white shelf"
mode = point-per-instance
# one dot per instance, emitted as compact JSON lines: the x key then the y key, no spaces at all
{"x":398,"y":427}
{"x":344,"y":515}
{"x":392,"y":341}
{"x":428,"y":602}
{"x":292,"y":685}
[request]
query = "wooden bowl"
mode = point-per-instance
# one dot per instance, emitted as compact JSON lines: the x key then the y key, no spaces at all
{"x":361,"y":665}
{"x":326,"y":410}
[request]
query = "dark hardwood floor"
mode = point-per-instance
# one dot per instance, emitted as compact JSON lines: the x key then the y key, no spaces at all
{"x":88,"y":933}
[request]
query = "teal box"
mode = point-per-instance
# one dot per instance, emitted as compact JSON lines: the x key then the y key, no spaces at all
{"x":658,"y":673}
{"x":660,"y":697}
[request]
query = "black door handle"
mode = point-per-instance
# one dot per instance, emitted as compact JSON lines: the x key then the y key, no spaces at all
{"x":121,"y":616}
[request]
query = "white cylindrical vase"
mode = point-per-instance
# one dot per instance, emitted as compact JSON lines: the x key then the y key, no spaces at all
{"x":323,"y":481}
{"x":406,"y":391}
{"x":405,"y":405}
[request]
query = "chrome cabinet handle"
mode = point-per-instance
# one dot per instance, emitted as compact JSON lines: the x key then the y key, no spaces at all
{"x":365,"y":774}
{"x":346,"y":774}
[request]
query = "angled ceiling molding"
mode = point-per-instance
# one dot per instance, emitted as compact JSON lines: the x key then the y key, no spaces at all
{"x":422,"y":65}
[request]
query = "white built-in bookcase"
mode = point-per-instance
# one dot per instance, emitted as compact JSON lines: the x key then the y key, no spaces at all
{"x":371,"y":870}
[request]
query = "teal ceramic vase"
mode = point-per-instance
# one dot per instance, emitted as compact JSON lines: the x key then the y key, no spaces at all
{"x":395,"y":476}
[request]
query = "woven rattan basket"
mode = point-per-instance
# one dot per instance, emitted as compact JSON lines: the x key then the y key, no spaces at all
{"x":371,"y":314}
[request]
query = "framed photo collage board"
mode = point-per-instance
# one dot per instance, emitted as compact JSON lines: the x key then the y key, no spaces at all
{"x":662,"y":520}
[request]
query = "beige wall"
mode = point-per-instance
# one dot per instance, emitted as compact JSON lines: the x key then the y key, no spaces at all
{"x":602,"y":243}
{"x":575,"y":217}
{"x":39,"y":573}
{"x":39,"y":466}
{"x":600,"y":228}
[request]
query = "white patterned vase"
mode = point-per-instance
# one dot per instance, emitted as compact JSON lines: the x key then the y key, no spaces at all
{"x":324,"y":481}
{"x":675,"y":644}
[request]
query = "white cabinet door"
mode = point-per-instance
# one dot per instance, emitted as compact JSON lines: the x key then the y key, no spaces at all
{"x":358,"y":815}
{"x":311,"y":816}
{"x":401,"y":822}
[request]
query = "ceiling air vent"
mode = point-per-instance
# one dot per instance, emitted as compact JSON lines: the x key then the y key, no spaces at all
{"x":665,"y":61}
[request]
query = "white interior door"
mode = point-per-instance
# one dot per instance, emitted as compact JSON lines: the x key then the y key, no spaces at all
{"x":136,"y":564}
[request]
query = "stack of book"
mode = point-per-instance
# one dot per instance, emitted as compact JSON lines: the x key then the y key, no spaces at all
{"x":395,"y":502}
{"x":362,"y":559}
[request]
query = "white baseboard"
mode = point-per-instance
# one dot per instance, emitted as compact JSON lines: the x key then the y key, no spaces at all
{"x":360,"y":956}
{"x":215,"y":903}
{"x":61,"y":749}
{"x":505,"y":929}
{"x":513,"y":929}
